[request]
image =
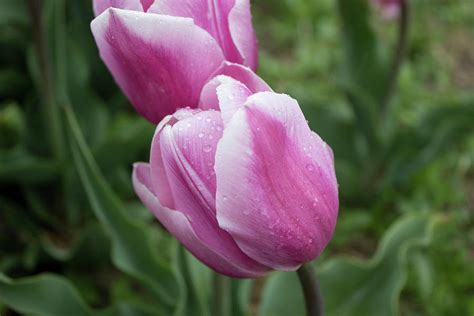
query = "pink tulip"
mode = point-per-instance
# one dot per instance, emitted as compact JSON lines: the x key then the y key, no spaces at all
{"x":162,"y":53}
{"x":248,"y":187}
{"x":389,"y":9}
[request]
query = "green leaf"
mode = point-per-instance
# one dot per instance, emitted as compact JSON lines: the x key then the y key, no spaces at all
{"x":13,"y":12}
{"x":352,"y":287}
{"x":282,"y":296}
{"x":43,"y":295}
{"x":18,"y":166}
{"x":363,"y":73}
{"x":133,"y":250}
{"x":438,"y":132}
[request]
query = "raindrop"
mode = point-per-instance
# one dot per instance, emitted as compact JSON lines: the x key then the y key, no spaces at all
{"x":207,"y":149}
{"x":201,"y":135}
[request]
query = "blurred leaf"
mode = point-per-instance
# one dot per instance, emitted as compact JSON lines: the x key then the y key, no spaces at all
{"x":353,"y":287}
{"x":12,"y":82}
{"x":43,"y":295}
{"x":282,"y":296}
{"x":21,"y":167}
{"x":363,"y":73}
{"x":13,"y":12}
{"x":126,"y":139}
{"x":423,"y":269}
{"x":132,"y":247}
{"x":194,"y":277}
{"x":12,"y":126}
{"x":441,"y":130}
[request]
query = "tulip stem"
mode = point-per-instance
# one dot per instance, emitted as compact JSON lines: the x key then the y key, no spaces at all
{"x":222,"y":296}
{"x":311,"y":291}
{"x":399,"y":56}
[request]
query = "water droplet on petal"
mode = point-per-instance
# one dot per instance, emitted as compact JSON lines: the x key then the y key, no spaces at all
{"x":201,"y":135}
{"x":207,"y":149}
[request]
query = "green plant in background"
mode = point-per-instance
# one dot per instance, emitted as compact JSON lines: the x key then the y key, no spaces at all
{"x":72,"y":231}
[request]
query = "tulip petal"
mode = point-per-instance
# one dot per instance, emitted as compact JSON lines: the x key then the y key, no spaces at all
{"x":245,"y":75}
{"x":186,"y":152}
{"x":279,"y":198}
{"x":242,"y":32}
{"x":228,"y":21}
{"x":102,"y":5}
{"x":160,"y":62}
{"x":146,"y":4}
{"x":179,"y":226}
{"x":232,"y":96}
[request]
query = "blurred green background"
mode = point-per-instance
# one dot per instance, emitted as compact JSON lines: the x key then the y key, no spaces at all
{"x":74,"y":240}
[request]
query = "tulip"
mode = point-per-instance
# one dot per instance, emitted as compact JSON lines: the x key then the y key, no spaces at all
{"x":162,"y":53}
{"x":389,"y":9}
{"x":248,"y":187}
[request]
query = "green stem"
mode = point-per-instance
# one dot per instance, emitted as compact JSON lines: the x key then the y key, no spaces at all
{"x":399,"y":57}
{"x":222,"y":296}
{"x":52,"y":115}
{"x":311,"y":291}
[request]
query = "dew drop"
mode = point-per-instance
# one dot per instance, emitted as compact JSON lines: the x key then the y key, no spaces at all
{"x":201,"y":135}
{"x":207,"y":149}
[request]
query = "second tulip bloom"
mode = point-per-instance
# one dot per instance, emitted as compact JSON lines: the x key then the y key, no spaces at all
{"x":161,"y":53}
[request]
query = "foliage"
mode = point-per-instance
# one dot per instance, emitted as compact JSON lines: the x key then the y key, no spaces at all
{"x":75,"y":241}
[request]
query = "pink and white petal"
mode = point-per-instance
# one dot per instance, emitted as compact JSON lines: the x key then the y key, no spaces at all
{"x":186,"y":152}
{"x":228,"y":21}
{"x":245,"y":75}
{"x":232,"y":96}
{"x":224,"y":93}
{"x":160,"y":184}
{"x":179,"y":226}
{"x":279,"y":198}
{"x":102,"y":5}
{"x":242,"y":32}
{"x":196,"y":139}
{"x":146,"y":4}
{"x":160,"y":62}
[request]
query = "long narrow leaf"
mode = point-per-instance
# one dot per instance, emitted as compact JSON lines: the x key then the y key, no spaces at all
{"x":132,"y":248}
